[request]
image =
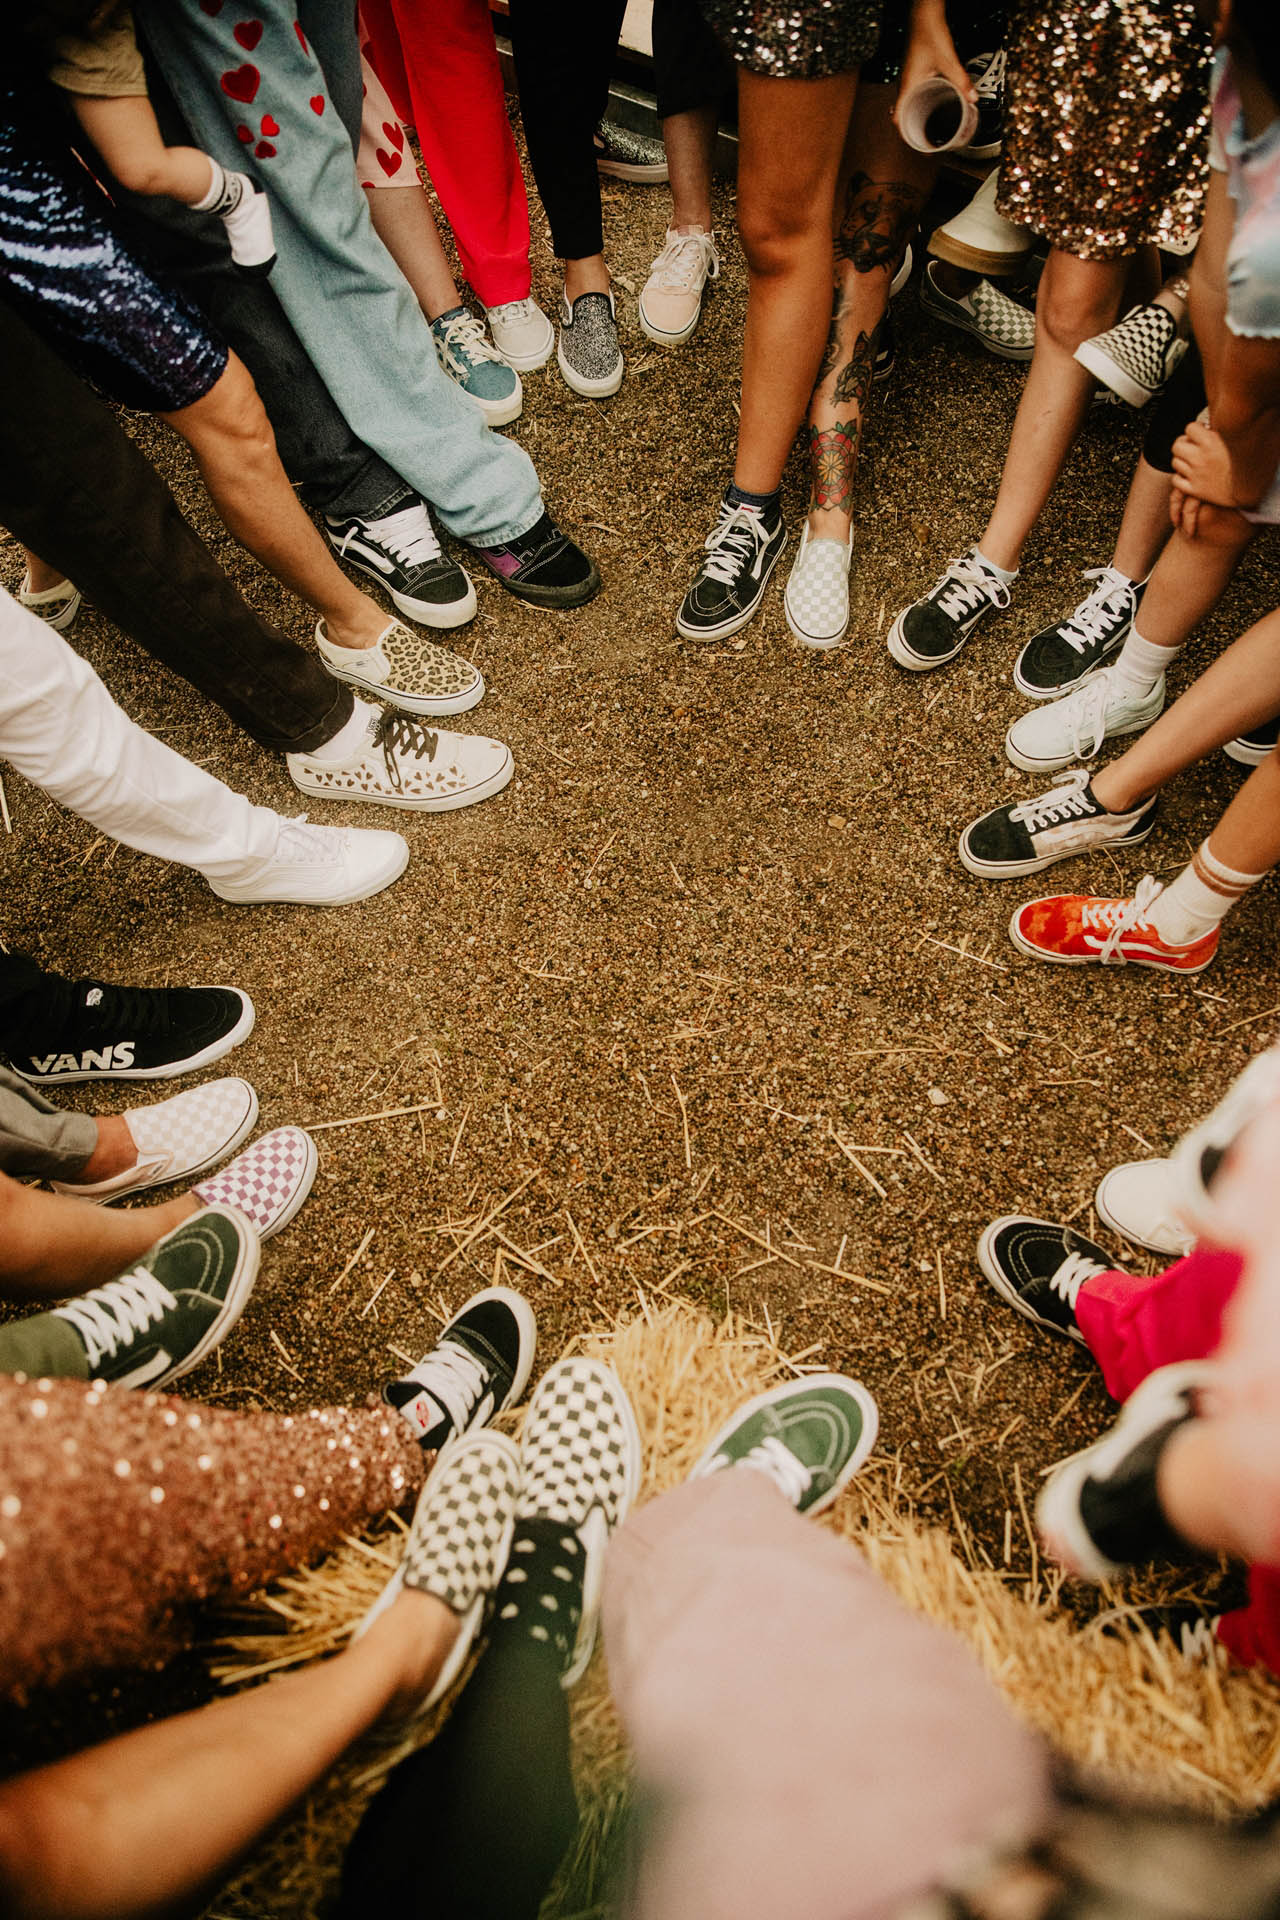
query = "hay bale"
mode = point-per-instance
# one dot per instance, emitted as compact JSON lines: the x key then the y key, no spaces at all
{"x":1121,"y":1704}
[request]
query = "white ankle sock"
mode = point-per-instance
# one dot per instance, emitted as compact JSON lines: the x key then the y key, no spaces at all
{"x":1001,"y":573}
{"x":348,"y":740}
{"x":1140,"y":663}
{"x":1201,"y":896}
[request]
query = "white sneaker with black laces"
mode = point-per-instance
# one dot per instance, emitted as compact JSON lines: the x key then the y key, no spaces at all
{"x":1065,"y":732}
{"x":1135,"y":357}
{"x":402,"y":763}
{"x":1061,"y":656}
{"x":402,"y":553}
{"x":742,"y":550}
{"x":478,"y":1368}
{"x":1033,"y":834}
{"x":937,"y":628}
{"x":1039,"y":1268}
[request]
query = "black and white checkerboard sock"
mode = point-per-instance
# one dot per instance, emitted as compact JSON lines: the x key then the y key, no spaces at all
{"x":540,"y":1598}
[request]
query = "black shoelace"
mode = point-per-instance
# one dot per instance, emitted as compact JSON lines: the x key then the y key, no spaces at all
{"x":399,"y":733}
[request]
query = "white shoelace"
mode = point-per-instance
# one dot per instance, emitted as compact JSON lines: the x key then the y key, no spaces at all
{"x":112,"y":1316}
{"x":965,"y":585}
{"x":513,"y":313}
{"x":686,"y":259}
{"x":782,"y":1466}
{"x":736,"y":542}
{"x":1071,"y":1276}
{"x":455,"y":1379}
{"x":1100,"y":611}
{"x":1064,"y":801}
{"x":408,"y":535}
{"x":303,"y":844}
{"x":465,"y":342}
{"x":1085,"y":715}
{"x":1115,"y":918}
{"x":993,"y":79}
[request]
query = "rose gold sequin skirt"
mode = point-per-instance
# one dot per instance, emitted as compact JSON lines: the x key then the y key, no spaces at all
{"x":797,"y":39}
{"x":1106,"y":124}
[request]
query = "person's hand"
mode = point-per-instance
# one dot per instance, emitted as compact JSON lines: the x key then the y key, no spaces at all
{"x":1198,"y":519}
{"x":930,"y":51}
{"x":1202,"y":465}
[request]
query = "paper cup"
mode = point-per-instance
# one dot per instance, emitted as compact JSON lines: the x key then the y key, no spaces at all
{"x":936,"y":118}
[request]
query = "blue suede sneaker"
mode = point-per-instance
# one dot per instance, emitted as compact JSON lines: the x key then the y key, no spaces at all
{"x":464,"y":351}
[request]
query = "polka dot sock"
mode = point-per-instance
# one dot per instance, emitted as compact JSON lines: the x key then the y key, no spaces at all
{"x":541,"y":1593}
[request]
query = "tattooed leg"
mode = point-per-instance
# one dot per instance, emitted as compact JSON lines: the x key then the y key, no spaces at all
{"x":833,"y":455}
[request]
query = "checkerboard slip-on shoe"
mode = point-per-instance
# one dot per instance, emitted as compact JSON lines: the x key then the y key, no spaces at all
{"x":1135,"y":357}
{"x":458,"y":1542}
{"x":809,"y":1436}
{"x":985,"y":313}
{"x":1059,"y":657}
{"x":404,"y":763}
{"x":816,"y":601}
{"x":478,"y":1368}
{"x":268,"y":1182}
{"x":406,"y":670}
{"x":178,"y":1138}
{"x":1039,"y":1268}
{"x":581,"y":1464}
{"x":1062,"y":733}
{"x":1139,"y":1201}
{"x":95,"y":1031}
{"x":1101,"y":1512}
{"x":163,"y":1317}
{"x":402,"y":552}
{"x":487,"y":379}
{"x":1074,"y":930}
{"x":938,"y":626}
{"x":56,"y":606}
{"x":1034,"y":834}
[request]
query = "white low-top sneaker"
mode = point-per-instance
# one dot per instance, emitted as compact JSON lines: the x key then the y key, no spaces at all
{"x":1139,"y":1201}
{"x":1065,"y":732}
{"x":817,"y":596}
{"x":407,"y":671}
{"x":403,"y":763}
{"x":178,"y":1138}
{"x":522,"y":333}
{"x":670,"y":303}
{"x":319,"y":867}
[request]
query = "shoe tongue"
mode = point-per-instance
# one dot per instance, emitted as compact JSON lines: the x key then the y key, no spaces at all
{"x":420,"y":1408}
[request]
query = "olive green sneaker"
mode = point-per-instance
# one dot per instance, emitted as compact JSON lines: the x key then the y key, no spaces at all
{"x":810,"y":1436}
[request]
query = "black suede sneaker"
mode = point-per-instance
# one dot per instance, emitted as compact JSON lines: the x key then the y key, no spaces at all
{"x":90,"y":1030}
{"x":1039,"y":1268}
{"x":543,"y":567}
{"x":402,"y":553}
{"x":937,"y":628}
{"x":1061,"y":656}
{"x":1033,"y":834}
{"x":1101,"y":1510}
{"x":742,"y":550}
{"x":479,"y":1366}
{"x":1251,"y":749}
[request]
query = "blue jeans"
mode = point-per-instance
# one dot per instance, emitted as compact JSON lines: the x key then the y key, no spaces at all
{"x":295,"y":93}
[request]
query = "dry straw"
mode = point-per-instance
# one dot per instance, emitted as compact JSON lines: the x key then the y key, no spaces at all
{"x":1121,"y":1703}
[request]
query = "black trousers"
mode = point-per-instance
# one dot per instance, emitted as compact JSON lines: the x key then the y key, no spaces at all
{"x":75,"y":489}
{"x":563,"y":52}
{"x":474,"y":1826}
{"x":690,"y":67}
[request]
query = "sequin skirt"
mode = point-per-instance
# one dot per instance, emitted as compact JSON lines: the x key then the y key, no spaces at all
{"x":1106,"y":124}
{"x":797,"y":39}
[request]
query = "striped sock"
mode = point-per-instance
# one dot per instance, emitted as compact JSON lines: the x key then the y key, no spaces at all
{"x":1201,"y":896}
{"x":226,"y":190}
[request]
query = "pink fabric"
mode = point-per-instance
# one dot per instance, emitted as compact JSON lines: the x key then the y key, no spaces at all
{"x":438,"y":63}
{"x":805,"y":1747}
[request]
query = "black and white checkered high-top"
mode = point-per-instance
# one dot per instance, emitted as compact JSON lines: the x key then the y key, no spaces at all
{"x":1135,"y":357}
{"x":581,"y":1463}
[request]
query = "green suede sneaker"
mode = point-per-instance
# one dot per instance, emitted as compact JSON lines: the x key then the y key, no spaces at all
{"x":160,"y":1319}
{"x":810,"y":1436}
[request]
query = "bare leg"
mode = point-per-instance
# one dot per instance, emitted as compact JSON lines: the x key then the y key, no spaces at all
{"x":78,"y":1839}
{"x":886,"y":188}
{"x":41,"y":577}
{"x":791,"y":135}
{"x":1247,"y":838}
{"x":231,"y":437}
{"x":403,"y":221}
{"x":1239,"y":691}
{"x":52,"y":1246}
{"x":589,"y":275}
{"x":1076,"y":299}
{"x":690,"y":140}
{"x":1145,"y":528}
{"x":1191,"y":577}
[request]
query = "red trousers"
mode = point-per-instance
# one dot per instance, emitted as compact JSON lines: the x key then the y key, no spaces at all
{"x":1132,"y":1326}
{"x":438,"y":62}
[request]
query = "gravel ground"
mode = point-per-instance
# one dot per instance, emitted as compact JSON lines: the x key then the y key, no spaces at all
{"x":712,"y":938}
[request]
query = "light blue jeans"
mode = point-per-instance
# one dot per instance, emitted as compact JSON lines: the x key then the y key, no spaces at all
{"x":282,"y":103}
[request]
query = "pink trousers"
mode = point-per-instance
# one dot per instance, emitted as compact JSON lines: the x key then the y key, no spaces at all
{"x":805,"y":1747}
{"x":1134,"y":1325}
{"x":438,"y":62}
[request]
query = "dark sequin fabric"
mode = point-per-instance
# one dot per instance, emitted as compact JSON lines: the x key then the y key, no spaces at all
{"x":60,"y":261}
{"x":120,"y":1509}
{"x":802,"y":40}
{"x":1106,"y":124}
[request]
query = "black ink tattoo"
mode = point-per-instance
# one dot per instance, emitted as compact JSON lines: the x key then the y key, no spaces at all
{"x":853,"y":381}
{"x":878,"y":216}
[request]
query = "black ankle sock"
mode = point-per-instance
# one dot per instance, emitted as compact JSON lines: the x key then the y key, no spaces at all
{"x":770,"y":504}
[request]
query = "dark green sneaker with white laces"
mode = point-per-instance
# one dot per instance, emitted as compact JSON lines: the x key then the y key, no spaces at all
{"x":159,"y":1320}
{"x":1039,"y":1268}
{"x":810,"y":1436}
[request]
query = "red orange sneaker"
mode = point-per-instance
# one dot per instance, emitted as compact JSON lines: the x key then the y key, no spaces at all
{"x":1074,"y":928}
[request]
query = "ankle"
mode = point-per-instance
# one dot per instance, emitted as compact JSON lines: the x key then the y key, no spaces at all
{"x":357,"y":628}
{"x":698,"y":221}
{"x":415,"y":1635}
{"x":585,"y":276}
{"x":829,"y":523}
{"x":115,"y":1152}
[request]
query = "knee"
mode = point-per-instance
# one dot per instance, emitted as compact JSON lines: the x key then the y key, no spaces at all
{"x":1072,"y":313}
{"x":774,"y":233}
{"x":240,"y":419}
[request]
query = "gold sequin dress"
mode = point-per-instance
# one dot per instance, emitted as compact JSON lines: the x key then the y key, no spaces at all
{"x":799,"y":39}
{"x":119,"y":1510}
{"x":1106,"y":124}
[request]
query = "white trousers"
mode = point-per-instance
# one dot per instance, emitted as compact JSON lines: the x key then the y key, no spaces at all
{"x":60,"y":729}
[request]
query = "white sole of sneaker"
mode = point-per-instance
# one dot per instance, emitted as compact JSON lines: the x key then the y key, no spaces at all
{"x":866,"y":1439}
{"x":640,"y":173}
{"x":538,"y":357}
{"x":1020,"y":869}
{"x":60,"y":620}
{"x":993,"y":1273}
{"x":1112,"y":375}
{"x":446,"y":803}
{"x":662,"y":338}
{"x":499,"y":413}
{"x":433,"y":707}
{"x":1172,"y":1249}
{"x":901,"y":651}
{"x":423,"y":613}
{"x":1091,"y":960}
{"x":1247,"y":756}
{"x":1030,"y":764}
{"x":728,"y":628}
{"x":242,"y":1284}
{"x":360,"y":890}
{"x":171,"y":1069}
{"x":590,"y":389}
